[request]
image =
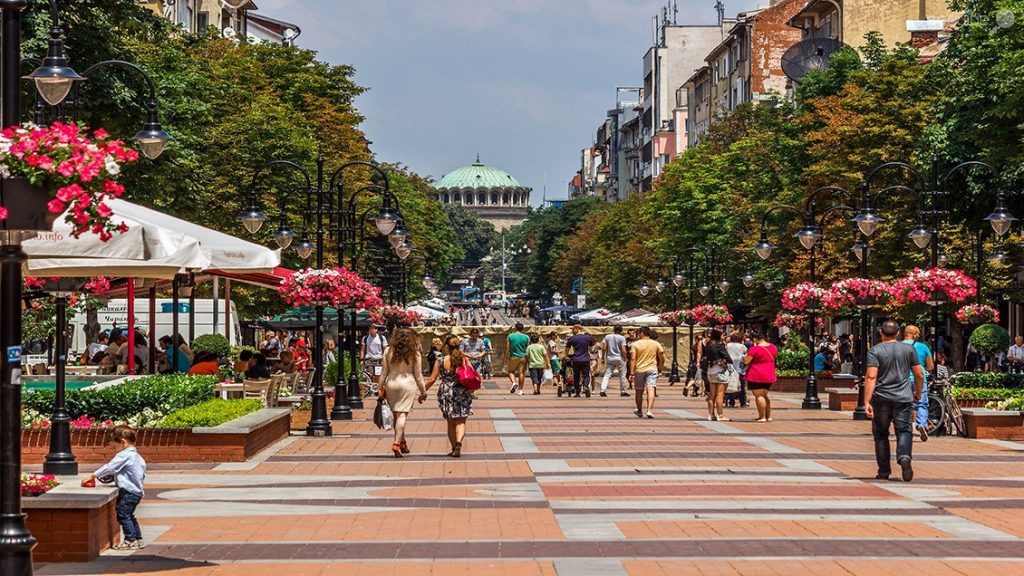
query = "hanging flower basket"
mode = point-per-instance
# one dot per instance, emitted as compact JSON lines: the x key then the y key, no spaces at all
{"x":711,"y":315}
{"x":934,"y":287}
{"x":977,"y":314}
{"x":676,"y":317}
{"x":335,"y":287}
{"x":395,"y":317}
{"x":804,"y":297}
{"x":859,"y":292}
{"x":796,"y":322}
{"x":46,"y":171}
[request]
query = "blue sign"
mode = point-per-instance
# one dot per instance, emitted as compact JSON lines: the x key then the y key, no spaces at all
{"x":14,"y":354}
{"x":168,"y":307}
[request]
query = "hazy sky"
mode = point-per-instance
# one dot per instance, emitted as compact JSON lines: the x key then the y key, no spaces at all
{"x":524,"y":83}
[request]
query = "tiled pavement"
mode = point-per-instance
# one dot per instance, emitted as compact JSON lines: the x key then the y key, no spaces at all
{"x":578,"y":487}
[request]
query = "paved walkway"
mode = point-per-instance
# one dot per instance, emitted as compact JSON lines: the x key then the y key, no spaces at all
{"x":578,"y":487}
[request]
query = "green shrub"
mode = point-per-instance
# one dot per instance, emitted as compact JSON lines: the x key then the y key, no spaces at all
{"x":159,"y":393}
{"x":990,"y":338}
{"x":1012,"y":404}
{"x":986,"y":393}
{"x":331,"y":372}
{"x":210,"y":413}
{"x":213,"y":343}
{"x":237,"y":349}
{"x":793,"y":357}
{"x":987,"y":380}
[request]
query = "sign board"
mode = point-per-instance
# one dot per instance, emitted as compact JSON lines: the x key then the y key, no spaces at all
{"x":581,"y":301}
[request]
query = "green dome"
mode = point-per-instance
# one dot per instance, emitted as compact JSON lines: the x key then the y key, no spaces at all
{"x":477,"y":175}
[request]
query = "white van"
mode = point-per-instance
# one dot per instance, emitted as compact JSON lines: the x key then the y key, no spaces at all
{"x":116,"y":312}
{"x":497,"y":299}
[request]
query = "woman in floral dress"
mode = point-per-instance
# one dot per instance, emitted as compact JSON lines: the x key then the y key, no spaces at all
{"x":454,"y":399}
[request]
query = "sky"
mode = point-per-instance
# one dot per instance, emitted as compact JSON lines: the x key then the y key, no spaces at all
{"x":523,"y":83}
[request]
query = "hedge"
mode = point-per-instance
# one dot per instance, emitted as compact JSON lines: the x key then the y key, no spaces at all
{"x":214,"y":343}
{"x":161,"y":393}
{"x":987,"y":380}
{"x":210,"y":413}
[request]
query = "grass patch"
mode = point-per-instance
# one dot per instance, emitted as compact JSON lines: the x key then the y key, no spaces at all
{"x":210,"y":413}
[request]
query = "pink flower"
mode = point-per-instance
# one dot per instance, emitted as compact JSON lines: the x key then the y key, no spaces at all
{"x":55,"y":206}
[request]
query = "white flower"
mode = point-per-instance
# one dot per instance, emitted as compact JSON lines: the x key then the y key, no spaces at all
{"x":113,"y":168}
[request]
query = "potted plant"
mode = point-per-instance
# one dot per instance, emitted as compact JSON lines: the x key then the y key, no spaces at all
{"x":395,"y":317}
{"x":934,"y":287}
{"x":710,"y":314}
{"x":337,"y":287}
{"x":859,"y":292}
{"x":47,"y":171}
{"x":804,"y":297}
{"x":990,"y":339}
{"x":977,"y":314}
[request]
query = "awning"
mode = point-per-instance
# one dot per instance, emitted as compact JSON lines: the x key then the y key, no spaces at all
{"x":272,"y":279}
{"x":591,"y":315}
{"x":645,"y":320}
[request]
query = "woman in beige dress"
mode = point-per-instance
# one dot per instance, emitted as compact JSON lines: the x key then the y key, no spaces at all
{"x":401,"y":380}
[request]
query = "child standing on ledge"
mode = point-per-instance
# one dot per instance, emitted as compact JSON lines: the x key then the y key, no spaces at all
{"x":128,"y":470}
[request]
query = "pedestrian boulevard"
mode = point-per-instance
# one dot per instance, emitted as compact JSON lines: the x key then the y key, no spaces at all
{"x":581,"y":487}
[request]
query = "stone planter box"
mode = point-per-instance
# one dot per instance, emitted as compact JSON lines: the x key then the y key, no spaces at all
{"x":842,"y":399}
{"x":234,"y":441}
{"x":799,"y":383}
{"x":71,"y":523}
{"x":983,"y":423}
{"x":976,"y":402}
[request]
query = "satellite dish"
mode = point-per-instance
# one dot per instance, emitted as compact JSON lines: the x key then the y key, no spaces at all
{"x":809,"y":55}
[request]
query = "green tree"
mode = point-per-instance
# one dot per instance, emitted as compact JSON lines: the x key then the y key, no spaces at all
{"x":477,"y":236}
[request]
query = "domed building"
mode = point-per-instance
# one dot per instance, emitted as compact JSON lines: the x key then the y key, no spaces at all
{"x":493,"y":194}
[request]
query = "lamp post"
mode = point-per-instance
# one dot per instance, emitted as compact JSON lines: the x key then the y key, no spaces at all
{"x":809,"y":235}
{"x":318,"y":203}
{"x":60,"y":460}
{"x":934,"y":209}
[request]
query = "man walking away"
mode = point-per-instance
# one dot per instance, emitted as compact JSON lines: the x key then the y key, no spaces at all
{"x":614,"y":346}
{"x":889,"y":398}
{"x":911,"y":336}
{"x":647,"y":360}
{"x":580,"y":342}
{"x":515,"y":358}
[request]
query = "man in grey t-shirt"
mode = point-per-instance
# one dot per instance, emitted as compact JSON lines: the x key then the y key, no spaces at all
{"x":614,"y":347}
{"x":889,"y":398}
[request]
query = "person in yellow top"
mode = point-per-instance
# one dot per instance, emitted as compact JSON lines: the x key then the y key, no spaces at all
{"x":646,"y":361}
{"x":537,"y":361}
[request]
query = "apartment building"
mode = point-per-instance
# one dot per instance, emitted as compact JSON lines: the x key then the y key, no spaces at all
{"x":233,"y":18}
{"x":850,"y":20}
{"x":745,"y":67}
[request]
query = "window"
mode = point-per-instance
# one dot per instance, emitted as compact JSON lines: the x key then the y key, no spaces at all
{"x":481,"y":199}
{"x":469,"y":199}
{"x":447,"y":198}
{"x":458,"y":198}
{"x":494,"y":199}
{"x":504,"y":199}
{"x":202,"y":21}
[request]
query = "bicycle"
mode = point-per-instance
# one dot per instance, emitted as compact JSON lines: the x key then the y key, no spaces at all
{"x":944,"y":415}
{"x":367,"y":387}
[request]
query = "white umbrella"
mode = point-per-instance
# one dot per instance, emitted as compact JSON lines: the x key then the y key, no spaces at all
{"x":645,"y":320}
{"x":427,"y":313}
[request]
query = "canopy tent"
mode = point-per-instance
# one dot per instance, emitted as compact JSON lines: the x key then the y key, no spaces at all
{"x":597,"y":315}
{"x":560,"y":309}
{"x":634,"y":313}
{"x":427,"y":313}
{"x":304,"y":318}
{"x":645,"y":320}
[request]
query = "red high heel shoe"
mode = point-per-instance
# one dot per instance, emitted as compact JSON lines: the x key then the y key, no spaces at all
{"x":397,"y":449}
{"x":404,"y":447}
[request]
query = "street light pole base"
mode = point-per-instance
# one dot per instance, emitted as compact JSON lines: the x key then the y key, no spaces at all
{"x":811,"y":404}
{"x":355,"y":398}
{"x":860,"y":414}
{"x":341,"y":413}
{"x":16,"y":552}
{"x":318,"y":428}
{"x":61,"y":467}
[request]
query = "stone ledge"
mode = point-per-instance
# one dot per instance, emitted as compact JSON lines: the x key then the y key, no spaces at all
{"x":244,"y":424}
{"x":842,"y":391}
{"x":984,"y":423}
{"x":71,"y":495}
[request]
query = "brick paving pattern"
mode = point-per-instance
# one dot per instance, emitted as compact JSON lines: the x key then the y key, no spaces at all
{"x":578,"y":487}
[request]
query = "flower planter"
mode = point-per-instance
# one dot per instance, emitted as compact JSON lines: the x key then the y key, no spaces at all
{"x":26,"y":205}
{"x":937,"y":298}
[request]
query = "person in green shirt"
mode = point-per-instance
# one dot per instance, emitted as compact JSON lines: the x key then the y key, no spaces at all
{"x":537,"y":360}
{"x":515,"y":358}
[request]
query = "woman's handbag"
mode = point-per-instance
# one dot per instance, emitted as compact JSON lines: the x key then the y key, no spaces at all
{"x":383,"y":417}
{"x":467,"y":376}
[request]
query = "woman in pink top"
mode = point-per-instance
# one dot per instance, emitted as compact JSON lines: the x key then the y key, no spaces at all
{"x":760,"y":361}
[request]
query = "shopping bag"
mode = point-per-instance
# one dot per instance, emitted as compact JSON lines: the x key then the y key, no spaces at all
{"x":733,"y":385}
{"x":549,"y":375}
{"x":387,"y":416}
{"x":383,"y":417}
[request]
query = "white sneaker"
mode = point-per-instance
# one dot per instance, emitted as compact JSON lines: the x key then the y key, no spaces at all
{"x":520,"y":393}
{"x":650,"y":415}
{"x":513,"y":389}
{"x":139,"y":544}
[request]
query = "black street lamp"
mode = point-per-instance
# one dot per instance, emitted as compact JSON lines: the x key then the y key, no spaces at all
{"x":318,"y":203}
{"x":60,"y":460}
{"x":934,"y":210}
{"x":809,"y":236}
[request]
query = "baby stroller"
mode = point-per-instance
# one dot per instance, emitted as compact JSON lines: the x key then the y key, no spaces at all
{"x":567,"y":385}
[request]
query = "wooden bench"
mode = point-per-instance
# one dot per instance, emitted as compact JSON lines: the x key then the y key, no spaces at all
{"x":983,"y":423}
{"x":842,"y":399}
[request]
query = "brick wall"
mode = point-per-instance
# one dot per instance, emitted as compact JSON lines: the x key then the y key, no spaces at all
{"x":771,"y":36}
{"x":161,"y":445}
{"x":72,"y":535}
{"x":995,"y":426}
